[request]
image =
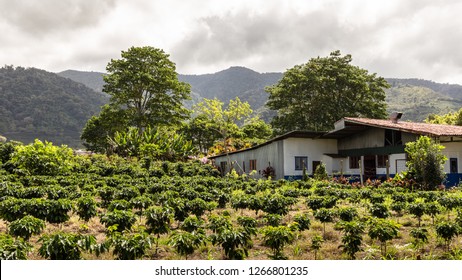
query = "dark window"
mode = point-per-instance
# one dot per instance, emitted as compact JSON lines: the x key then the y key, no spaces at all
{"x":354,"y":162}
{"x":243,"y":166}
{"x":300,"y":162}
{"x":393,"y":138}
{"x":252,"y":164}
{"x":382,"y":161}
{"x":453,"y":165}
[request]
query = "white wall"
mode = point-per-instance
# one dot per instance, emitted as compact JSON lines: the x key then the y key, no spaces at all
{"x":314,"y":149}
{"x":453,"y":150}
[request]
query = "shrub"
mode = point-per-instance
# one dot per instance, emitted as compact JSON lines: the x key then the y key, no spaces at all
{"x":86,"y":208}
{"x":186,"y":242}
{"x":65,"y":246}
{"x":122,"y":218}
{"x":383,"y":230}
{"x":352,"y":237}
{"x":26,"y":227}
{"x":425,"y":162}
{"x":41,"y":158}
{"x":276,"y":238}
{"x":303,"y":221}
{"x":13,"y":249}
{"x":130,"y":245}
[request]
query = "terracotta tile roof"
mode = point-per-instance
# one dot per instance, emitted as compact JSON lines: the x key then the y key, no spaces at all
{"x":412,"y":127}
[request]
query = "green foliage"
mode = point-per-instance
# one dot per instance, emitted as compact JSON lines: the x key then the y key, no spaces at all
{"x":122,"y":218}
{"x":43,"y":158}
{"x":235,"y":242}
{"x":13,"y":249}
{"x":272,"y":219}
{"x":26,"y":227}
{"x":379,"y":210}
{"x":152,"y":144}
{"x":130,"y":245}
{"x":447,"y":231}
{"x":314,"y":95}
{"x":383,"y":230}
{"x":417,"y":209}
{"x":320,"y":173}
{"x":316,"y":243}
{"x":218,"y":223}
{"x":158,"y":219}
{"x":277,"y":204}
{"x":86,"y":208}
{"x":186,"y":242}
{"x":144,"y":84}
{"x":192,"y":223}
{"x":425,"y":162}
{"x":347,"y":214}
{"x":352,"y":237}
{"x":420,"y":236}
{"x":454,"y":118}
{"x":248,"y":223}
{"x":303,"y":221}
{"x":276,"y":238}
{"x":65,"y":246}
{"x":324,"y":216}
{"x":213,"y":123}
{"x":40,"y":104}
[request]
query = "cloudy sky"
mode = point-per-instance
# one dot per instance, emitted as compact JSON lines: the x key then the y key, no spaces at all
{"x":393,"y":38}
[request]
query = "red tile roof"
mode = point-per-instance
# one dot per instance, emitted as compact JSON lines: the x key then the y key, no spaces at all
{"x":412,"y":127}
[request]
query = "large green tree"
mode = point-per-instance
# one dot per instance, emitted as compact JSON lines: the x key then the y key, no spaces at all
{"x":454,"y":118}
{"x":314,"y":95}
{"x":144,"y":89}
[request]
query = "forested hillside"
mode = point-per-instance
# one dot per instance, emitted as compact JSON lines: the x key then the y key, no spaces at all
{"x":417,"y":98}
{"x":35,"y":103}
{"x":39,"y":104}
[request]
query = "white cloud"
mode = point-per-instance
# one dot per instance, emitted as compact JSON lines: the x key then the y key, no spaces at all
{"x":393,"y":38}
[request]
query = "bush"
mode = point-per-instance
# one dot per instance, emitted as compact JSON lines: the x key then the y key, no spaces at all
{"x":425,"y":162}
{"x":65,"y":246}
{"x":122,"y":218}
{"x":26,"y":227}
{"x":43,"y":158}
{"x":13,"y":249}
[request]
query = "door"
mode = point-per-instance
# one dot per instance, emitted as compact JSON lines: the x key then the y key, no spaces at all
{"x":370,"y":167}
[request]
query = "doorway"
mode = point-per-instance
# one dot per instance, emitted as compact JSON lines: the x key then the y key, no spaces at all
{"x":370,"y":167}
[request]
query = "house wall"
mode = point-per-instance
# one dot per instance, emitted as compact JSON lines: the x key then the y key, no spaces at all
{"x":371,"y":138}
{"x":314,"y":149}
{"x":264,"y":155}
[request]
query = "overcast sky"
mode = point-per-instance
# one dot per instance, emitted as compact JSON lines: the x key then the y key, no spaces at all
{"x":393,"y":38}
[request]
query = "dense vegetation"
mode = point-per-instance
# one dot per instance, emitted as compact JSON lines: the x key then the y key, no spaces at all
{"x":100,"y":207}
{"x":38,"y":104}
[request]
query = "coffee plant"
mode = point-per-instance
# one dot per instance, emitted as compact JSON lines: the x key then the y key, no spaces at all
{"x":185,"y":243}
{"x":276,"y":238}
{"x":26,"y":227}
{"x":13,"y":249}
{"x":447,"y":231}
{"x":352,"y":237}
{"x":122,"y":218}
{"x":383,"y":230}
{"x":65,"y":246}
{"x":86,"y":208}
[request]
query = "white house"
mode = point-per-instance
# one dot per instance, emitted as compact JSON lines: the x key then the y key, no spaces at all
{"x":374,"y":142}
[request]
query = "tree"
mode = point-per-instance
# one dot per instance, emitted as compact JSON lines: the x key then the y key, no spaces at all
{"x":450,"y":118}
{"x":425,"y":162}
{"x":145,"y":85}
{"x":144,"y":90}
{"x":221,"y":122}
{"x":314,"y":95}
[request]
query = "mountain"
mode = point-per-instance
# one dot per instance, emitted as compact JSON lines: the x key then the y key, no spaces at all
{"x":38,"y":104}
{"x":417,"y":98}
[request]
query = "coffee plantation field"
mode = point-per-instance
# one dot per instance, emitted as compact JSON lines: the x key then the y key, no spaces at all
{"x":107,"y":208}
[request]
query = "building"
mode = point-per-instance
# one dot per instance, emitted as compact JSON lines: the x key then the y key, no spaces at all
{"x":375,"y":142}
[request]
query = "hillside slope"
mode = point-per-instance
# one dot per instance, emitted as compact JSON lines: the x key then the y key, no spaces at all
{"x":39,"y":104}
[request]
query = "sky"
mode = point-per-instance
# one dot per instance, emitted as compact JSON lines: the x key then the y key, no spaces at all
{"x":393,"y":38}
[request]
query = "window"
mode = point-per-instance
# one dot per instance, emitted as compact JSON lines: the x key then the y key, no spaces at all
{"x":354,"y":162}
{"x":453,"y":168}
{"x":393,"y":138}
{"x":382,"y":161}
{"x":252,"y":164}
{"x":300,"y":162}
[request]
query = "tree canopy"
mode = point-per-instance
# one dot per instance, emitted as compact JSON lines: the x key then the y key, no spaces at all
{"x":144,"y":92}
{"x":216,"y":130}
{"x":145,"y":85}
{"x":314,"y":95}
{"x":449,"y":118}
